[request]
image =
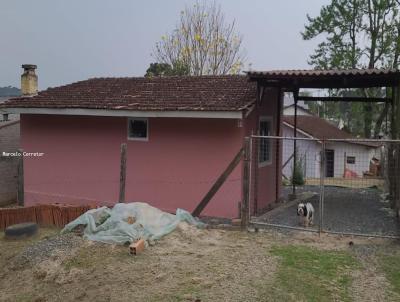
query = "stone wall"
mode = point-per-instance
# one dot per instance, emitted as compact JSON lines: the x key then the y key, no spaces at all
{"x":9,"y":142}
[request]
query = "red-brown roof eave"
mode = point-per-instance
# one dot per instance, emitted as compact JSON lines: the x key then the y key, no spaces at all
{"x":202,"y":93}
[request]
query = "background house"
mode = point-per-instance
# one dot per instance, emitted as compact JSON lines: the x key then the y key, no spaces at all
{"x":290,"y":110}
{"x":353,"y":156}
{"x":181,"y":134}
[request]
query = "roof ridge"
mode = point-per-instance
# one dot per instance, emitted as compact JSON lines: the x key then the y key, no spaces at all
{"x":307,"y":129}
{"x":174,"y":77}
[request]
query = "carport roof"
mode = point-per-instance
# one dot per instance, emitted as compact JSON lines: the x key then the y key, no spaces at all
{"x":334,"y":78}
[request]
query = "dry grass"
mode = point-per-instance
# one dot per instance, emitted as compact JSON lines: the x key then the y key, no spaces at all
{"x":190,"y":264}
{"x":355,"y":183}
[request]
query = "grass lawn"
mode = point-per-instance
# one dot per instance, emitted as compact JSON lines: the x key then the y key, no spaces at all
{"x":307,"y":274}
{"x":390,"y":265}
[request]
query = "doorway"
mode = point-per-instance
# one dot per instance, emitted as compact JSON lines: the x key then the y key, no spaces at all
{"x":329,"y":163}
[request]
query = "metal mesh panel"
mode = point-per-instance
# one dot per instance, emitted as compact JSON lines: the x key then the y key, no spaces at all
{"x":275,"y":193}
{"x":352,"y":185}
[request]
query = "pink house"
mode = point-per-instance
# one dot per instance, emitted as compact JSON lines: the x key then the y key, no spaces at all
{"x":181,"y":133}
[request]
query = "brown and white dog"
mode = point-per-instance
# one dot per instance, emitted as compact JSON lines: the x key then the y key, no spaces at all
{"x":306,"y":213}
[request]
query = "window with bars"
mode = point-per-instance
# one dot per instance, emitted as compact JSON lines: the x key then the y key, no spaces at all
{"x":265,"y":129}
{"x":138,"y":129}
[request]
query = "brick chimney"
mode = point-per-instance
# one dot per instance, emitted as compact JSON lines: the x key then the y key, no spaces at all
{"x":29,"y":80}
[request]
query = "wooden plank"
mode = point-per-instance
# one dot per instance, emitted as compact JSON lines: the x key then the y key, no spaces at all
{"x":391,"y":148}
{"x":288,"y":160}
{"x":20,"y":179}
{"x":279,"y":143}
{"x":122,"y":174}
{"x":246,"y":184}
{"x":218,"y":183}
{"x":396,"y":147}
{"x":296,"y":98}
{"x":397,"y":180}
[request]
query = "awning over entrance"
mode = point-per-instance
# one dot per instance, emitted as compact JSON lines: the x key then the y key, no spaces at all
{"x":294,"y":80}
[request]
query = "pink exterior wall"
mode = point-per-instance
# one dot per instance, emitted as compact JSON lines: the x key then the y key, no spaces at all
{"x":175,"y":168}
{"x":266,"y":180}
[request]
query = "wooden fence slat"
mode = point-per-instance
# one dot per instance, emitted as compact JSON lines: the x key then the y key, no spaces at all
{"x":122,"y":175}
{"x":218,"y":183}
{"x":246,"y":185}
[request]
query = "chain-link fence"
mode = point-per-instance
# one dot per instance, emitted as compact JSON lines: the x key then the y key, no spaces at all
{"x":345,"y":186}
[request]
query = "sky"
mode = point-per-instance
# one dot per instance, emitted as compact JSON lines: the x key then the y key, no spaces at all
{"x":74,"y":40}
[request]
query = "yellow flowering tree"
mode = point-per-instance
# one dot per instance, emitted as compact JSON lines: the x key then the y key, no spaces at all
{"x":203,"y":42}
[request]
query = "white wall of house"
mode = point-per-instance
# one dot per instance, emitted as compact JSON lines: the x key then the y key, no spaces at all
{"x":290,"y":111}
{"x":309,"y":153}
{"x":362,"y":154}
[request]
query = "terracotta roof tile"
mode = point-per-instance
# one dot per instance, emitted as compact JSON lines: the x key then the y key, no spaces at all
{"x":190,"y":93}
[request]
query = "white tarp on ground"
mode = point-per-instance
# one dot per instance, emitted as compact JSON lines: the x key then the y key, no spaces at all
{"x":115,"y":225}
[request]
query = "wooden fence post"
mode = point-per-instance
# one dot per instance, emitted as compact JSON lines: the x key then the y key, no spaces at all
{"x":394,"y":178}
{"x":246,"y":184}
{"x":20,"y":178}
{"x":397,"y":180}
{"x":122,"y":174}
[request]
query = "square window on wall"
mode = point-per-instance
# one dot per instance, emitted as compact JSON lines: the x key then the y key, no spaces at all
{"x":138,"y":129}
{"x":351,"y":159}
{"x":265,"y":147}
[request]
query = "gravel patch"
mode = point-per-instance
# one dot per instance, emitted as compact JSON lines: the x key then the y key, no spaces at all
{"x":345,"y":210}
{"x":47,"y":248}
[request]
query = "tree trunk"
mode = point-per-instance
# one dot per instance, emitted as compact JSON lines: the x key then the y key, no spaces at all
{"x":367,"y":120}
{"x":379,"y":121}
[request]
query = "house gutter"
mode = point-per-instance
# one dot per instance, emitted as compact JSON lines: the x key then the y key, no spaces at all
{"x":127,"y":113}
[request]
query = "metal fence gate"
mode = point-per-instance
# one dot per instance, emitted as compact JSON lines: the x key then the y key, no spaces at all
{"x":351,"y":184}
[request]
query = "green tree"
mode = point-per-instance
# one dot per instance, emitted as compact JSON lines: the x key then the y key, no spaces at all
{"x":356,"y":34}
{"x":164,"y":69}
{"x":203,"y":42}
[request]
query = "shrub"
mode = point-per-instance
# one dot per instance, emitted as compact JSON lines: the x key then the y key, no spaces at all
{"x":297,"y":177}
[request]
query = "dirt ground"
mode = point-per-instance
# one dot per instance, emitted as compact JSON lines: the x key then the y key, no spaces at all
{"x":188,"y":265}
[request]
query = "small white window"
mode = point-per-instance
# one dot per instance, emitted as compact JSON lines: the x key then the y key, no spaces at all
{"x":351,"y":159}
{"x":138,"y":129}
{"x":265,"y":151}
